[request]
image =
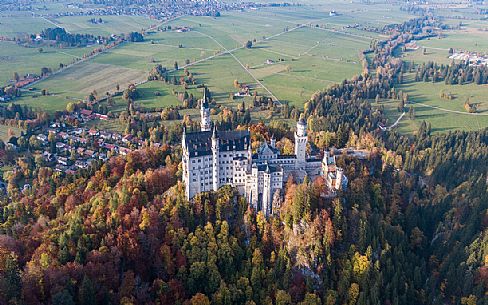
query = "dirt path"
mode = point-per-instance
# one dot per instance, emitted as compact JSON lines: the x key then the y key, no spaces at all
{"x":244,"y":67}
{"x":91,"y":56}
{"x":451,"y":111}
{"x":344,"y":33}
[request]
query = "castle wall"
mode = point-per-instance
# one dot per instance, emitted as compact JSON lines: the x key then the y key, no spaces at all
{"x":260,"y":180}
{"x":199,"y":175}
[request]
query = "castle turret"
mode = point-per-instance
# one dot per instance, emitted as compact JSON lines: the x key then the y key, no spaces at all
{"x":185,"y":164}
{"x":183,"y":138}
{"x":301,"y":141}
{"x":267,"y":189}
{"x":339,"y":177}
{"x":205,"y":123}
{"x":249,"y":154}
{"x":215,"y":160}
{"x":325,"y":163}
{"x":273,"y":142}
{"x":254,"y":186}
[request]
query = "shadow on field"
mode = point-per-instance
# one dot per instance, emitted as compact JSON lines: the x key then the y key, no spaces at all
{"x":441,"y":129}
{"x":151,"y":93}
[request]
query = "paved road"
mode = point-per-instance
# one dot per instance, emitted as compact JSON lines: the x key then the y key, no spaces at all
{"x":394,"y":124}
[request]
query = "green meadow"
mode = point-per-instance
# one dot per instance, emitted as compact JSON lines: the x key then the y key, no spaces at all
{"x":23,"y":60}
{"x":110,"y":25}
{"x":443,"y":115}
{"x":295,"y":53}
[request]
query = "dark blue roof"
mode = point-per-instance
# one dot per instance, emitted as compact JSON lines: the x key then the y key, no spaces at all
{"x":200,"y":143}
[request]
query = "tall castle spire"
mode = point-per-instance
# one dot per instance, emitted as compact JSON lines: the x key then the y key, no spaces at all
{"x":301,"y":140}
{"x":215,"y":160}
{"x":205,"y":123}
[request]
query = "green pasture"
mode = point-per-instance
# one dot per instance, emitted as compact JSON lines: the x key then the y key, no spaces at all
{"x":472,"y":37}
{"x":301,"y":60}
{"x":23,"y":60}
{"x":4,"y":132}
{"x":20,"y":25}
{"x":110,"y":25}
{"x":444,"y":115}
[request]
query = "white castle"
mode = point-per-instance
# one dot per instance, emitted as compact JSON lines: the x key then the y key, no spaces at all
{"x":214,"y":158}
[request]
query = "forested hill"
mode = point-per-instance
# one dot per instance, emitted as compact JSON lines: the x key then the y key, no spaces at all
{"x":125,"y":234}
{"x":411,"y":227}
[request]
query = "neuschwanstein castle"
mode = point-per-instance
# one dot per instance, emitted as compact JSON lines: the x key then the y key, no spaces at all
{"x":213,"y":158}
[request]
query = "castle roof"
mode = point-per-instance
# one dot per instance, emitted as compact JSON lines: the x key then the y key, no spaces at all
{"x":269,"y":168}
{"x":200,"y":143}
{"x":265,"y":149}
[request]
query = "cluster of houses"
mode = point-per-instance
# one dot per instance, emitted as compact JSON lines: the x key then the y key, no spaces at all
{"x":9,"y":92}
{"x":181,"y":29}
{"x":27,"y":80}
{"x":473,"y":58}
{"x":244,"y":90}
{"x":68,"y":149}
{"x":77,"y":147}
{"x":88,"y":115}
{"x":165,"y":10}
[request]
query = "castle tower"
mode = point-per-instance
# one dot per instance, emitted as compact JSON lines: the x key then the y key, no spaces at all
{"x":339,"y":177}
{"x":249,"y":154}
{"x":325,"y":163}
{"x":215,"y":160}
{"x":267,"y":195}
{"x":205,"y":123}
{"x":301,"y":141}
{"x":273,"y":142}
{"x":185,"y":164}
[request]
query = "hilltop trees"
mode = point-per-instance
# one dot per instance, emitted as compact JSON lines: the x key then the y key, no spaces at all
{"x":10,"y":279}
{"x":453,"y":73}
{"x":61,"y":37}
{"x":409,"y":226}
{"x":135,"y":37}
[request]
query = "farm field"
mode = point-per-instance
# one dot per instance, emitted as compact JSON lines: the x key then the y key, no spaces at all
{"x":76,"y":83}
{"x":23,"y":60}
{"x":154,"y":94}
{"x":444,"y":115}
{"x":110,"y":25}
{"x":469,"y":38}
{"x":16,"y":58}
{"x":21,"y":24}
{"x":296,"y":53}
